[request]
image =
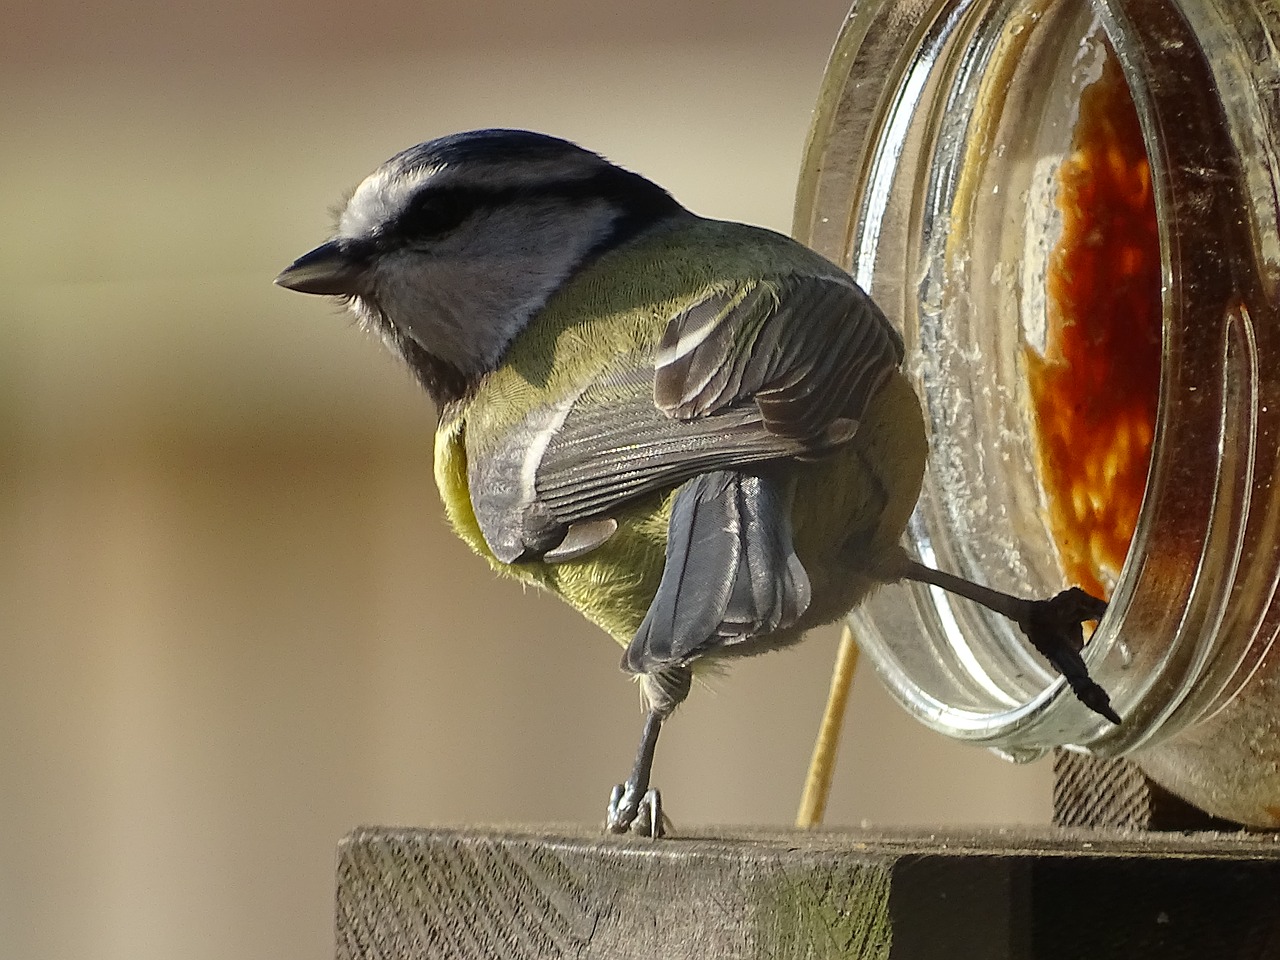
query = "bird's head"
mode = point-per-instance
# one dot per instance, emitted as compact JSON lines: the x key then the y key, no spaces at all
{"x":450,"y":247}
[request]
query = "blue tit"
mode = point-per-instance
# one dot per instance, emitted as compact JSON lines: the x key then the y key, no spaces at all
{"x":695,"y":432}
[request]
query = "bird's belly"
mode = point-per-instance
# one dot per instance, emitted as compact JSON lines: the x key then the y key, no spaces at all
{"x":851,"y":509}
{"x":614,"y":584}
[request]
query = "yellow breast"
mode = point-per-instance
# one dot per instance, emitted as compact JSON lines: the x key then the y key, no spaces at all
{"x":612,"y":586}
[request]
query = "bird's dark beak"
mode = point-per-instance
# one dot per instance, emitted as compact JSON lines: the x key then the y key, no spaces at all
{"x":329,"y":269}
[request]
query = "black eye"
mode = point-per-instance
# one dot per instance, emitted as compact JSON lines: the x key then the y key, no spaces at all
{"x":434,"y":213}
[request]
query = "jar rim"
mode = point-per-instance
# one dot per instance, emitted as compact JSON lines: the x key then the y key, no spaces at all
{"x":1185,"y":565}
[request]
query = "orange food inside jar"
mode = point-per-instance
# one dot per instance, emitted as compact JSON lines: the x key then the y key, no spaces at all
{"x":1095,"y":388}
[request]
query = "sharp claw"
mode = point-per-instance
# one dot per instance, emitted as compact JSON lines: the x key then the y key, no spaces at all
{"x":649,"y":818}
{"x":631,"y":813}
{"x":1054,"y":628}
{"x":1096,"y":699}
{"x":618,"y":818}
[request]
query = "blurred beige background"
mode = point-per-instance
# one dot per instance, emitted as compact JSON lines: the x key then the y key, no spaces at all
{"x":233,"y":622}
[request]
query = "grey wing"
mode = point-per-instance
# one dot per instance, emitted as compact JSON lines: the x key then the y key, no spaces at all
{"x":760,"y":372}
{"x":566,"y":466}
{"x":809,"y":351}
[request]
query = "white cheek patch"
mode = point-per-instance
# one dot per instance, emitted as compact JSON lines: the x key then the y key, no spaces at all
{"x":470,"y":295}
{"x":461,"y":312}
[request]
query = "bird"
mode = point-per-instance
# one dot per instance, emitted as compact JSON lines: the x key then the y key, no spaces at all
{"x":696,"y":432}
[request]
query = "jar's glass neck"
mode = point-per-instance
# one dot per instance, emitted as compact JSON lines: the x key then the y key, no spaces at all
{"x":941,"y":188}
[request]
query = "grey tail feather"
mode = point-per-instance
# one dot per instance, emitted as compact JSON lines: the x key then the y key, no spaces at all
{"x":731,"y":570}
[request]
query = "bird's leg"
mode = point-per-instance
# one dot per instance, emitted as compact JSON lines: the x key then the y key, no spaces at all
{"x":1053,"y":626}
{"x":633,"y":804}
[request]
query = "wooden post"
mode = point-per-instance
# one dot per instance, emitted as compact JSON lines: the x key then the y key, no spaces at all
{"x":513,"y":894}
{"x":1115,"y":794}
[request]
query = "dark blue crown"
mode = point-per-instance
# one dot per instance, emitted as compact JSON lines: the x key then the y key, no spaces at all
{"x":475,"y":146}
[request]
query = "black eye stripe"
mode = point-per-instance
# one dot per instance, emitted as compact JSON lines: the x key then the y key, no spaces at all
{"x":435,"y":212}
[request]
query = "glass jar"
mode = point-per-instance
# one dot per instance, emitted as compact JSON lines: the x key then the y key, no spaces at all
{"x":935,"y":172}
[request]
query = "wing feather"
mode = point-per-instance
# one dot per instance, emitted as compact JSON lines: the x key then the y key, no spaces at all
{"x":757,"y":371}
{"x":808,"y":350}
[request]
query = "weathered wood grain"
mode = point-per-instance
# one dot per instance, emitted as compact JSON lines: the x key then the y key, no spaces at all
{"x":466,"y":894}
{"x":1114,"y":794}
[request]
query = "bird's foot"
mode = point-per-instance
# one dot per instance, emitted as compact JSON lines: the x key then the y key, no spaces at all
{"x":1054,"y":628}
{"x":631,"y":810}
